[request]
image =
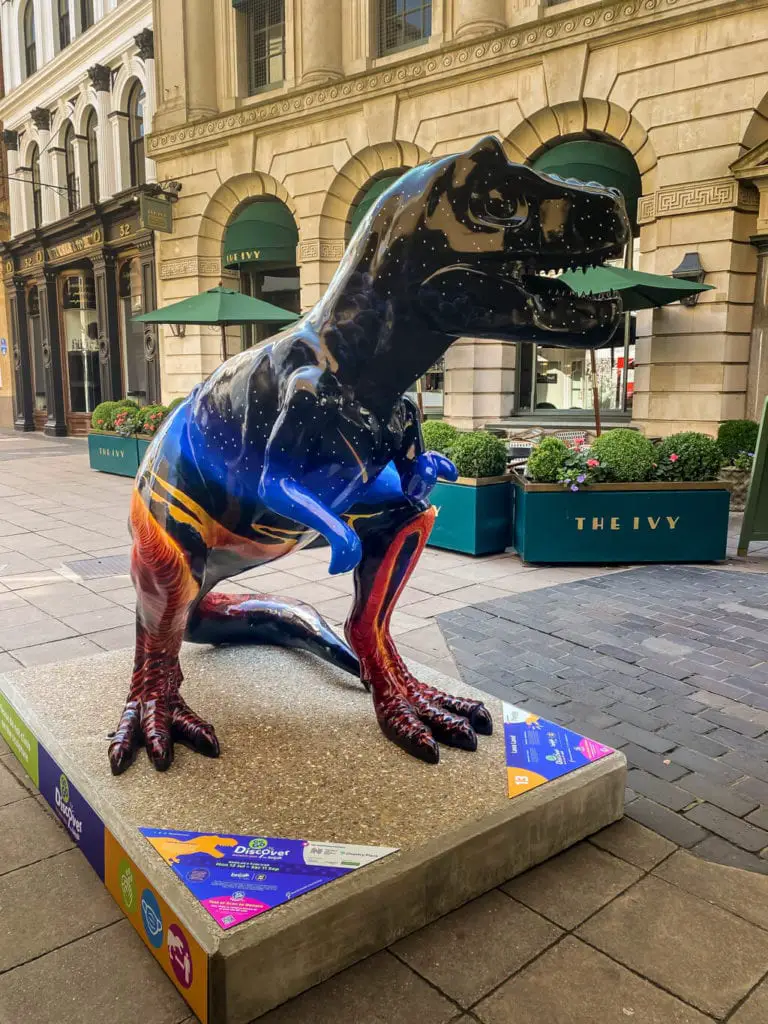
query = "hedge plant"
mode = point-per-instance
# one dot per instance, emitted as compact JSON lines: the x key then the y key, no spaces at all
{"x":627,"y":455}
{"x":150,"y":418}
{"x":546,"y":460}
{"x":735,"y":436}
{"x":479,"y":454}
{"x":439,"y":436}
{"x":688,"y":456}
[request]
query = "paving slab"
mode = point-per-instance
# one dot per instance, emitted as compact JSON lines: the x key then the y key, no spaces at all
{"x":574,"y":984}
{"x":475,"y":948}
{"x":10,"y":789}
{"x":742,"y":892}
{"x":755,"y":1009}
{"x":642,"y":929}
{"x":28,"y":834}
{"x":634,"y":843}
{"x":572,"y":886}
{"x":296,"y":734}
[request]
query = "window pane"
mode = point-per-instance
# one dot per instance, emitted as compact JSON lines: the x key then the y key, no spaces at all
{"x":81,"y":332}
{"x":264,"y":24}
{"x":403,"y":23}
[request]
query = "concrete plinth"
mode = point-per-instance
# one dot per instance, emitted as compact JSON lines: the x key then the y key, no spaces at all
{"x":303,"y":758}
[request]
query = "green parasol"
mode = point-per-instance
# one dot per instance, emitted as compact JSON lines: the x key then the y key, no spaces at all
{"x":637,"y":290}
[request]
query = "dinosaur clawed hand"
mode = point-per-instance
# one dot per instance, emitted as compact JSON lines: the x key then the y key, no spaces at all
{"x":157,"y":720}
{"x":418,"y":717}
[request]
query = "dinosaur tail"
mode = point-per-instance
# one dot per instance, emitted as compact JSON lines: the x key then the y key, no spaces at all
{"x":262,"y":619}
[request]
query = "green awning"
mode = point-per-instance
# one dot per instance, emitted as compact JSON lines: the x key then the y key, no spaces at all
{"x":637,"y":290}
{"x":370,"y":196}
{"x":590,"y":160}
{"x":221,"y":306}
{"x":264,"y":232}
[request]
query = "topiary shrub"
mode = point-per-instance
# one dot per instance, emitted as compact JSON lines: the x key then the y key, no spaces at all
{"x":688,"y":456}
{"x":176,"y":402}
{"x":627,"y":455}
{"x":734,"y":436}
{"x":438,"y":436}
{"x":150,"y":418}
{"x":127,"y":403}
{"x":127,"y":421}
{"x":103,"y":416}
{"x":479,"y":454}
{"x":546,"y":460}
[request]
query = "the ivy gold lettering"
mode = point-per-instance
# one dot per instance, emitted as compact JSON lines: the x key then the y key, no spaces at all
{"x":673,"y":522}
{"x":579,"y":522}
{"x":615,"y":523}
{"x":653,"y":523}
{"x":597,"y":524}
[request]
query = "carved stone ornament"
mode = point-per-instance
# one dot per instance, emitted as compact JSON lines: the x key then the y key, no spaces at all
{"x":101,"y":77}
{"x":145,"y":41}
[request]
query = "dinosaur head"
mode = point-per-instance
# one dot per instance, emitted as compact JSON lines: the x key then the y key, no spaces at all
{"x":481,"y":231}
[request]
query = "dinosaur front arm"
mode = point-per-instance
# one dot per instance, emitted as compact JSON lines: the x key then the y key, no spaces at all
{"x":419,"y":470}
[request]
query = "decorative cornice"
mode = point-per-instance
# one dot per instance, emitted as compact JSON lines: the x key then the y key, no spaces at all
{"x":145,"y":41}
{"x":191,"y":266}
{"x":476,"y":56}
{"x":696,"y":197}
{"x":320,"y":249}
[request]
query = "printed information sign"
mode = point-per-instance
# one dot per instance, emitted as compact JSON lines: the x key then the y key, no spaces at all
{"x":84,"y":826}
{"x":538,"y":751}
{"x":239,"y":877}
{"x":19,"y":738}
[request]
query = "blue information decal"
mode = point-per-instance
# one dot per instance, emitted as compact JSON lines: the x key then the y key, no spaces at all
{"x":82,"y":823}
{"x":538,"y":751}
{"x":238,"y":877}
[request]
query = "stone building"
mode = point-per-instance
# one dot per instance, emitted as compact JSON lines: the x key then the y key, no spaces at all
{"x":282,"y":121}
{"x":6,"y":364}
{"x":80,"y":261}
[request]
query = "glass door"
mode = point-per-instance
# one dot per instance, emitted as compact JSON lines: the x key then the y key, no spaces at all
{"x":81,"y":341}
{"x":36,"y":361}
{"x":132,"y":334}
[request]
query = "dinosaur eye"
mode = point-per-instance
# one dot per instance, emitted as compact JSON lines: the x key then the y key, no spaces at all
{"x":502,"y":207}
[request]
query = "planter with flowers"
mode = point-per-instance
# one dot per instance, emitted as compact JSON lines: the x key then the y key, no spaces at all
{"x":622,"y":500}
{"x":737,"y":440}
{"x":120,"y":434}
{"x":474,"y":513}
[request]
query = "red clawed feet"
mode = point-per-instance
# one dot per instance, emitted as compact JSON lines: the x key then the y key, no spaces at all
{"x":157,"y":720}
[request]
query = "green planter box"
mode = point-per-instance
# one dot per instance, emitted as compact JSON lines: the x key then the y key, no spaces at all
{"x":615,"y":524}
{"x":473,"y":516}
{"x":142,"y":444}
{"x":111,"y":453}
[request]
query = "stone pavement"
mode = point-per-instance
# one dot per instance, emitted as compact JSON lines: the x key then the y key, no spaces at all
{"x":625,"y":925}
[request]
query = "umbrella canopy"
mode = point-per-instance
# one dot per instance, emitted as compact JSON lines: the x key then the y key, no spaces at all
{"x":637,"y":290}
{"x":221,"y":306}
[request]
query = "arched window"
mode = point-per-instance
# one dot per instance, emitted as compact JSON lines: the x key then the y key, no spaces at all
{"x":86,"y":14}
{"x":73,"y":200}
{"x":65,"y":32}
{"x":37,"y":195}
{"x":30,"y":45}
{"x":91,"y":126}
{"x":136,"y":134}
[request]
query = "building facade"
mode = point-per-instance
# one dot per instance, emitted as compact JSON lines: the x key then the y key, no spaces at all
{"x":80,"y":262}
{"x":6,"y":364}
{"x":283,"y":120}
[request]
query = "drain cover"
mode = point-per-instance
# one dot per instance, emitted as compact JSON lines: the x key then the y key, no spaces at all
{"x":97,"y":568}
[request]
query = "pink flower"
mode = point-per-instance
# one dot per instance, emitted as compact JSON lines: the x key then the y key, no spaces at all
{"x":673,"y":457}
{"x":595,"y":462}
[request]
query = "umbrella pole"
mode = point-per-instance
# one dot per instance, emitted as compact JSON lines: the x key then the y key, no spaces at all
{"x":223,"y":343}
{"x":595,"y":396}
{"x":420,"y":397}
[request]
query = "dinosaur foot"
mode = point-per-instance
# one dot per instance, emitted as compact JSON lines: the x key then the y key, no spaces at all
{"x":418,"y":718}
{"x":157,"y":722}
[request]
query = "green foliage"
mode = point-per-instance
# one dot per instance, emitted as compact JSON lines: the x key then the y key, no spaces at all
{"x":103,"y":416}
{"x":688,"y":456}
{"x":127,"y":403}
{"x":734,"y":436}
{"x":438,"y":436}
{"x":626,"y":455}
{"x":150,"y":418}
{"x":744,"y":461}
{"x":176,"y":402}
{"x":127,"y":421}
{"x":479,"y":454}
{"x":547,"y":460}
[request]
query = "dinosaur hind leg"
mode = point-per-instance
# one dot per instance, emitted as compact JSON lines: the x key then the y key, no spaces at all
{"x":155,"y":714}
{"x":261,"y":619}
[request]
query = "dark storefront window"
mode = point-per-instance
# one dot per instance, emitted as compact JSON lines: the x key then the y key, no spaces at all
{"x":30,"y":42}
{"x":65,"y":34}
{"x":281,"y":287}
{"x":264,"y":23}
{"x":81,"y":341}
{"x":136,"y":134}
{"x":93,"y":155}
{"x":69,"y":165}
{"x":37,"y":363}
{"x":37,"y":194}
{"x":132,"y":334}
{"x":403,"y":23}
{"x":86,"y":14}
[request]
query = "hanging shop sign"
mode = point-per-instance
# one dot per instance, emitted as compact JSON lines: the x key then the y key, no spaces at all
{"x":155,"y":214}
{"x":75,"y":245}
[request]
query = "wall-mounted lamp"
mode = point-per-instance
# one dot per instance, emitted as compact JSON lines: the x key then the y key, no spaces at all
{"x":690,"y":270}
{"x":178,"y":330}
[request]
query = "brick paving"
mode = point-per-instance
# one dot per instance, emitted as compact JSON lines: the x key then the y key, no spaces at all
{"x":669,"y":663}
{"x":625,"y":925}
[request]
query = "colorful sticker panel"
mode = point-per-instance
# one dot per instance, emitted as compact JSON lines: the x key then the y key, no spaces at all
{"x":238,"y":877}
{"x":84,"y":826}
{"x":538,"y":751}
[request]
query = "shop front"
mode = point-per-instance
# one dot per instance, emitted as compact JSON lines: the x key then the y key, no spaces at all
{"x":72,"y":291}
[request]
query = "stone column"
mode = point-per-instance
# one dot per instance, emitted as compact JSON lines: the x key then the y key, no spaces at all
{"x":321,"y":59}
{"x":56,"y":425}
{"x":151,"y":334}
{"x":15,"y":200}
{"x":109,"y":336}
{"x":41,"y":119}
{"x":24,"y":418}
{"x":101,"y":79}
{"x":118,"y":133}
{"x":84,"y":197}
{"x":60,"y":198}
{"x":473,"y":18}
{"x":26,"y":199}
{"x":145,"y":41}
{"x":479,"y":383}
{"x":200,"y":58}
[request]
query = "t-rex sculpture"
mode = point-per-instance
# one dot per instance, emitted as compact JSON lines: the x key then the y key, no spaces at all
{"x":311,"y":432}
